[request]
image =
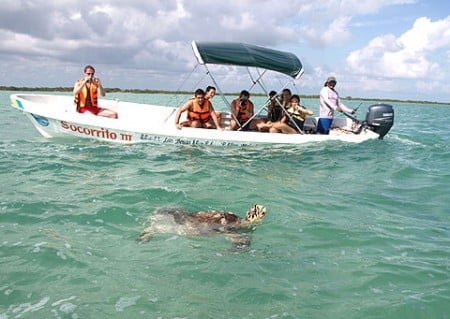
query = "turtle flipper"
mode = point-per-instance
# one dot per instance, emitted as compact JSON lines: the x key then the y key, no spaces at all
{"x":239,"y":242}
{"x":146,"y":235}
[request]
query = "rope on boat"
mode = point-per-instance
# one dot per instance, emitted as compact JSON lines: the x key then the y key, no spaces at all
{"x":178,"y":90}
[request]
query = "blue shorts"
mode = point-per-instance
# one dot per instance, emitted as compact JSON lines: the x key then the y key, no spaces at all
{"x":323,"y":127}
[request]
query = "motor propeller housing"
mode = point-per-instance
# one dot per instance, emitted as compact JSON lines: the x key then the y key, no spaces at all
{"x":380,"y":118}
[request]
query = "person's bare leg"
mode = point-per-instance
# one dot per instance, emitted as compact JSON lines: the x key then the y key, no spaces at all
{"x":107,"y":113}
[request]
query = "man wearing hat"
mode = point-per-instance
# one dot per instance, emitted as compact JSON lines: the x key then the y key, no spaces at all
{"x":329,"y":102}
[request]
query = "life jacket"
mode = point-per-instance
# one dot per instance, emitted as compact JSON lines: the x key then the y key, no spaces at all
{"x":199,"y":112}
{"x":297,"y":120}
{"x":297,"y":114}
{"x":87,"y":98}
{"x":241,"y":116}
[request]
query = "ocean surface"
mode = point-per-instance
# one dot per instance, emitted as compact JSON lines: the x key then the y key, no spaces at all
{"x":352,"y":230}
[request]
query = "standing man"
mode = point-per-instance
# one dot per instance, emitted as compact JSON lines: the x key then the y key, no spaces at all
{"x":86,"y":92}
{"x":329,"y":102}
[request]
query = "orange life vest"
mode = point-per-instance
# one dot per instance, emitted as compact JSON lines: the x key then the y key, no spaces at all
{"x":199,"y":112}
{"x":81,"y":99}
{"x":241,"y":116}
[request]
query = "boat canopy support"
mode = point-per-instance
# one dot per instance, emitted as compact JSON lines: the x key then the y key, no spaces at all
{"x":249,"y":56}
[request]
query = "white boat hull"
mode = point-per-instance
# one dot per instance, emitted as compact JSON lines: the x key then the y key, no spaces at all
{"x":56,"y":116}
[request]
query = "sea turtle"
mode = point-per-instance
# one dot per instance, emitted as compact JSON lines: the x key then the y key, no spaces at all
{"x":180,"y":222}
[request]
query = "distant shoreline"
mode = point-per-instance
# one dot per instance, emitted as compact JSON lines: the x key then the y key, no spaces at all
{"x":147,"y":91}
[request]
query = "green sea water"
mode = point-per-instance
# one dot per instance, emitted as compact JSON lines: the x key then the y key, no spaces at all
{"x":352,"y":230}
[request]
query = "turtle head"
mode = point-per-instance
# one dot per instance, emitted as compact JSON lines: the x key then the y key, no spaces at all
{"x":256,"y":213}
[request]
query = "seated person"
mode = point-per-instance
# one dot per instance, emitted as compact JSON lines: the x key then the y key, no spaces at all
{"x":86,"y":92}
{"x":210,"y":92}
{"x":200,"y":113}
{"x":298,"y":113}
{"x":242,"y":109}
{"x":275,"y":112}
{"x":293,"y":123}
{"x":286,"y":98}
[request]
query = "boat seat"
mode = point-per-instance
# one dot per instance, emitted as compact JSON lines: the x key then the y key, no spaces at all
{"x":310,"y":126}
{"x":339,"y":123}
{"x":225,"y":120}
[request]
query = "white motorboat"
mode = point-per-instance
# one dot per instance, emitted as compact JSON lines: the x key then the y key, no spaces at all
{"x":56,"y":115}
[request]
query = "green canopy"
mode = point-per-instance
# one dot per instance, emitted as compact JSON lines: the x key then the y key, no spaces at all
{"x":249,"y":55}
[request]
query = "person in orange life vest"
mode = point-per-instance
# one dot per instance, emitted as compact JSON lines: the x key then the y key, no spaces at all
{"x":86,"y":92}
{"x":242,"y":109}
{"x":210,"y":92}
{"x":200,"y":113}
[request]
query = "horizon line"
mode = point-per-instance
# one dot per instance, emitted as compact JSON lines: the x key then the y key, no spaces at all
{"x":152,"y":91}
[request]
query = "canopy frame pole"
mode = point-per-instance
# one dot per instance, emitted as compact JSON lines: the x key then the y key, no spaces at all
{"x":221,"y":94}
{"x":258,"y":80}
{"x":256,"y":113}
{"x":293,"y":122}
{"x":261,"y":84}
{"x":260,"y":75}
{"x":284,"y":110}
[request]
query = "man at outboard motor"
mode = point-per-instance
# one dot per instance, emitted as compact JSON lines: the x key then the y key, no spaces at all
{"x":329,"y":102}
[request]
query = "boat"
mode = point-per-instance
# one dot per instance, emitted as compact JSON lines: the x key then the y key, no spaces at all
{"x":56,"y":116}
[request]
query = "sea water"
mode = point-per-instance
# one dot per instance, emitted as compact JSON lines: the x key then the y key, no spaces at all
{"x":352,"y":230}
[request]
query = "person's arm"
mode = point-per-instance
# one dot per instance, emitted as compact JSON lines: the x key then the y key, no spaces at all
{"x":101,"y":90}
{"x":251,"y":111}
{"x":180,"y":110}
{"x":214,"y":117}
{"x":234,"y":108}
{"x":79,"y":85}
{"x":306,"y":111}
{"x":341,"y":107}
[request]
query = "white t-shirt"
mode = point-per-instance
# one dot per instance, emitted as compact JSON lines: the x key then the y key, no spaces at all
{"x":329,"y":101}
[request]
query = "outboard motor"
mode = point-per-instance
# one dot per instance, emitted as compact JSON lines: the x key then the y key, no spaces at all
{"x":380,"y":118}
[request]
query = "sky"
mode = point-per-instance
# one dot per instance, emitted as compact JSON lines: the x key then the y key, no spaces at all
{"x":383,"y":49}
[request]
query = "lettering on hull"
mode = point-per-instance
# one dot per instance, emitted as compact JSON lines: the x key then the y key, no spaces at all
{"x":101,"y":132}
{"x":185,"y":141}
{"x":111,"y":135}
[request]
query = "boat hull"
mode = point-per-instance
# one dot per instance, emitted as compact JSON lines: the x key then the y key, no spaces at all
{"x":55,"y":116}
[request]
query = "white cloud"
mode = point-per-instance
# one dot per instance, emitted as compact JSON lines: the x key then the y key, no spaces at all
{"x":358,"y":7}
{"x":328,"y":23}
{"x":150,"y":38}
{"x":427,"y":35}
{"x":408,"y":56}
